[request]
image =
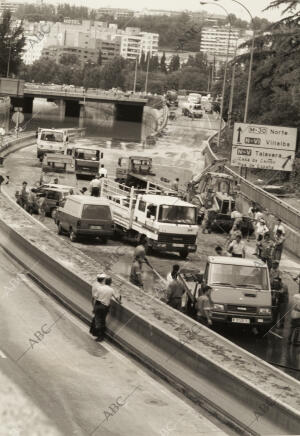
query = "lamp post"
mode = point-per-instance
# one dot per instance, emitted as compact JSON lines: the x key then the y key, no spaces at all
{"x":251,"y":58}
{"x":135,"y":74}
{"x":225,"y":67}
{"x":147,"y":72}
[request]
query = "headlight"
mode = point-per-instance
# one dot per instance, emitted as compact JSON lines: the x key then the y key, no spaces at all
{"x":219,"y":307}
{"x":264,"y":311}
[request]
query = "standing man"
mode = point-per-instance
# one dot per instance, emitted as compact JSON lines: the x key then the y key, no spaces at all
{"x":279,"y":242}
{"x":295,"y":318}
{"x":175,"y":185}
{"x":140,"y":250}
{"x":100,"y":281}
{"x":175,"y":291}
{"x":95,"y":186}
{"x":266,"y":250}
{"x":103,"y":294}
{"x":203,"y":306}
{"x":236,"y":216}
{"x":237,"y":247}
{"x":136,"y":272}
{"x":24,"y":195}
{"x":102,"y":171}
{"x":279,"y":226}
{"x":173,"y":273}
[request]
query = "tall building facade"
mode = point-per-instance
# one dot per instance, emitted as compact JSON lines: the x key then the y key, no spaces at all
{"x":216,"y":40}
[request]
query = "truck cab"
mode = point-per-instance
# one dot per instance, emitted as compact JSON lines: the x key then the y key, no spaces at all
{"x":51,"y":141}
{"x":241,"y":292}
{"x":193,"y":110}
{"x":86,"y":160}
{"x":133,"y":165}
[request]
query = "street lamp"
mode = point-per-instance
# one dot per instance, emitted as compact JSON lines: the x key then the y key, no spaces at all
{"x":251,"y":58}
{"x":225,"y":68}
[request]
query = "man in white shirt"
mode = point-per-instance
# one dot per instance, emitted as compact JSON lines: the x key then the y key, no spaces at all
{"x":103,"y":171}
{"x":237,"y":216}
{"x":95,"y":185}
{"x":102,"y":295}
{"x":237,"y":247}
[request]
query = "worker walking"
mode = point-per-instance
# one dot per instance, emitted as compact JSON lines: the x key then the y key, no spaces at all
{"x":266,"y":248}
{"x":237,"y":247}
{"x":140,"y":250}
{"x":136,"y":272}
{"x":95,"y":185}
{"x":102,"y":294}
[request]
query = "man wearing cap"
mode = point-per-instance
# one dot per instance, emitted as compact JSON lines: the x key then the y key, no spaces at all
{"x":266,"y":250}
{"x":102,"y":294}
{"x":95,"y":185}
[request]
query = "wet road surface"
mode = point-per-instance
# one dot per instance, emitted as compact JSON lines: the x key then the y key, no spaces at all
{"x":83,"y":387}
{"x":178,"y":154}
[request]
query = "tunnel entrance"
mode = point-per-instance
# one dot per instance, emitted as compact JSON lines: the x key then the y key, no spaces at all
{"x":129,"y":112}
{"x":72,"y":108}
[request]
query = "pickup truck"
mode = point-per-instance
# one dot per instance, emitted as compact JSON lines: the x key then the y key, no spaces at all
{"x":169,"y":223}
{"x":241,"y":291}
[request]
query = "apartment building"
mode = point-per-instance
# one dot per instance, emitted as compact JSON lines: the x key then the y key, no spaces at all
{"x":114,"y":12}
{"x":8,"y":5}
{"x":133,"y":42}
{"x":216,"y":40}
{"x":83,"y":55}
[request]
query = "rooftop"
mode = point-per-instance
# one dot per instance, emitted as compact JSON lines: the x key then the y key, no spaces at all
{"x":226,"y":260}
{"x":90,"y":200}
{"x":165,"y":200}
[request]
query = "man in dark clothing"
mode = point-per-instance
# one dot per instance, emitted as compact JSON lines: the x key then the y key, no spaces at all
{"x":136,"y":272}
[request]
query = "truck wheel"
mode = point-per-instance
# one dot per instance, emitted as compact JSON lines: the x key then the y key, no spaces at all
{"x":73,"y":236}
{"x":183,"y":254}
{"x":59,"y":229}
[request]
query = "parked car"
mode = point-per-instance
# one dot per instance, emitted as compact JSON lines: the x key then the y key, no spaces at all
{"x":88,"y":216}
{"x":54,"y":194}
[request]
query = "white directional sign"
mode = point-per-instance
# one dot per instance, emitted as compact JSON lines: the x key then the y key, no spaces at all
{"x":266,"y":147}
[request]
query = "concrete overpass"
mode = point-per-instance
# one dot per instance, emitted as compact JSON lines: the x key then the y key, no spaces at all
{"x":71,"y":101}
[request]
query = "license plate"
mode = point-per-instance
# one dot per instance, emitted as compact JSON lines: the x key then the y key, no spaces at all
{"x":96,"y":227}
{"x":241,"y":320}
{"x":178,"y":245}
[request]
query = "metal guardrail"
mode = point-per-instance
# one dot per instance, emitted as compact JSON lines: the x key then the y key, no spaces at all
{"x":274,"y":205}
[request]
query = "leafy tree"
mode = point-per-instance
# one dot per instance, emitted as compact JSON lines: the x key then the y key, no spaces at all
{"x":12,"y":42}
{"x":143,"y":61}
{"x":174,"y":63}
{"x":154,"y":63}
{"x":68,"y":59}
{"x":113,"y":73}
{"x":99,"y":60}
{"x":163,"y":66}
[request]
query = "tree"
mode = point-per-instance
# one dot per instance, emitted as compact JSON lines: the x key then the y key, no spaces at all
{"x":99,"y":60}
{"x":68,"y":59}
{"x":12,"y":42}
{"x":112,"y":73}
{"x":174,"y":63}
{"x":154,"y":64}
{"x":163,"y":66}
{"x":143,"y":61}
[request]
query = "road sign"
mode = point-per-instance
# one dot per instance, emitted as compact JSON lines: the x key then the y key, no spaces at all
{"x":265,"y":147}
{"x":18,"y":117}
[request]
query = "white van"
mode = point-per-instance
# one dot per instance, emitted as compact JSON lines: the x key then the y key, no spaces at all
{"x":194,"y":98}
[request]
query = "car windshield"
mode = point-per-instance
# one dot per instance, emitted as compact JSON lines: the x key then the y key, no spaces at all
{"x":238,"y":276}
{"x":96,"y":212}
{"x":86,"y":154}
{"x":177,"y":214}
{"x":52,"y":136}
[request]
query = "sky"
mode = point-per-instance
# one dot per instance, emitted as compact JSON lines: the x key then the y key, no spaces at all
{"x":255,"y":6}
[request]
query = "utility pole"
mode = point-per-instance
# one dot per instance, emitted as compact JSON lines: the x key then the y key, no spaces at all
{"x":231,"y":96}
{"x":135,"y":74}
{"x":147,"y":73}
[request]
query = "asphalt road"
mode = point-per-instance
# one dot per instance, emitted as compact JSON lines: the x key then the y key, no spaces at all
{"x":83,"y":387}
{"x":177,"y":154}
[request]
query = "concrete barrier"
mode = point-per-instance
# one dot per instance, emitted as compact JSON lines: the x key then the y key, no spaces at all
{"x":230,"y":382}
{"x":14,"y":144}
